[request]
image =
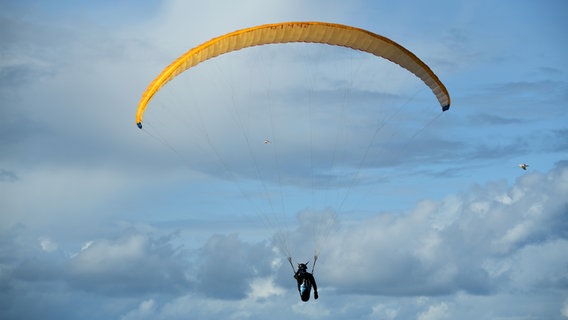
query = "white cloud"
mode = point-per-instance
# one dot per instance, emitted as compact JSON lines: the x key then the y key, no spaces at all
{"x":228,"y":266}
{"x":264,"y":288}
{"x":146,"y":310}
{"x":47,"y":244}
{"x":135,"y":263}
{"x":435,"y":312}
{"x":86,"y":245}
{"x":511,"y":236}
{"x":540,"y":265}
{"x":564,"y":309}
{"x":469,"y":243}
{"x":104,"y":256}
{"x":382,"y":311}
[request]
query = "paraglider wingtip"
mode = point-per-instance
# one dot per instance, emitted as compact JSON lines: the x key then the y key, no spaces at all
{"x":446,"y":108}
{"x":139,"y":124}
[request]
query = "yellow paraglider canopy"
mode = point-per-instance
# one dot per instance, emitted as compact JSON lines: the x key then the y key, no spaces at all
{"x":312,"y":32}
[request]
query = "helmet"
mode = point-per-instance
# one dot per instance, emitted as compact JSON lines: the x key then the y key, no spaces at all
{"x":302,"y":266}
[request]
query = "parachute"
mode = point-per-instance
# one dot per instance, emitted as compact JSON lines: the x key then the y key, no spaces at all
{"x":310,"y":32}
{"x":280,"y":159}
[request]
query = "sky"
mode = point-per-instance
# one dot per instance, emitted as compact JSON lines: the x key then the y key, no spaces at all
{"x":413,"y":213}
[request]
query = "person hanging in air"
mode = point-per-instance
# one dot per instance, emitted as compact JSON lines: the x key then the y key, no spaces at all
{"x":305,"y":281}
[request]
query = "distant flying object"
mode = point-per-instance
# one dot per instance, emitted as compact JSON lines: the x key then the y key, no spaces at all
{"x":523,"y":166}
{"x":266,"y":141}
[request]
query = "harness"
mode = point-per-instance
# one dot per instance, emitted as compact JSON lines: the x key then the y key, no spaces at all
{"x":313,"y":265}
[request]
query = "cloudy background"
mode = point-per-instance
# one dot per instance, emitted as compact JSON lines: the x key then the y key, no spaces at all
{"x":416,"y":214}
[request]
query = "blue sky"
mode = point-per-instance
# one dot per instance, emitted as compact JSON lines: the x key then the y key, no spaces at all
{"x":416,"y":214}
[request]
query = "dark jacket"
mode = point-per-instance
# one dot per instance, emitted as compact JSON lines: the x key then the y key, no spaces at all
{"x":302,"y":275}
